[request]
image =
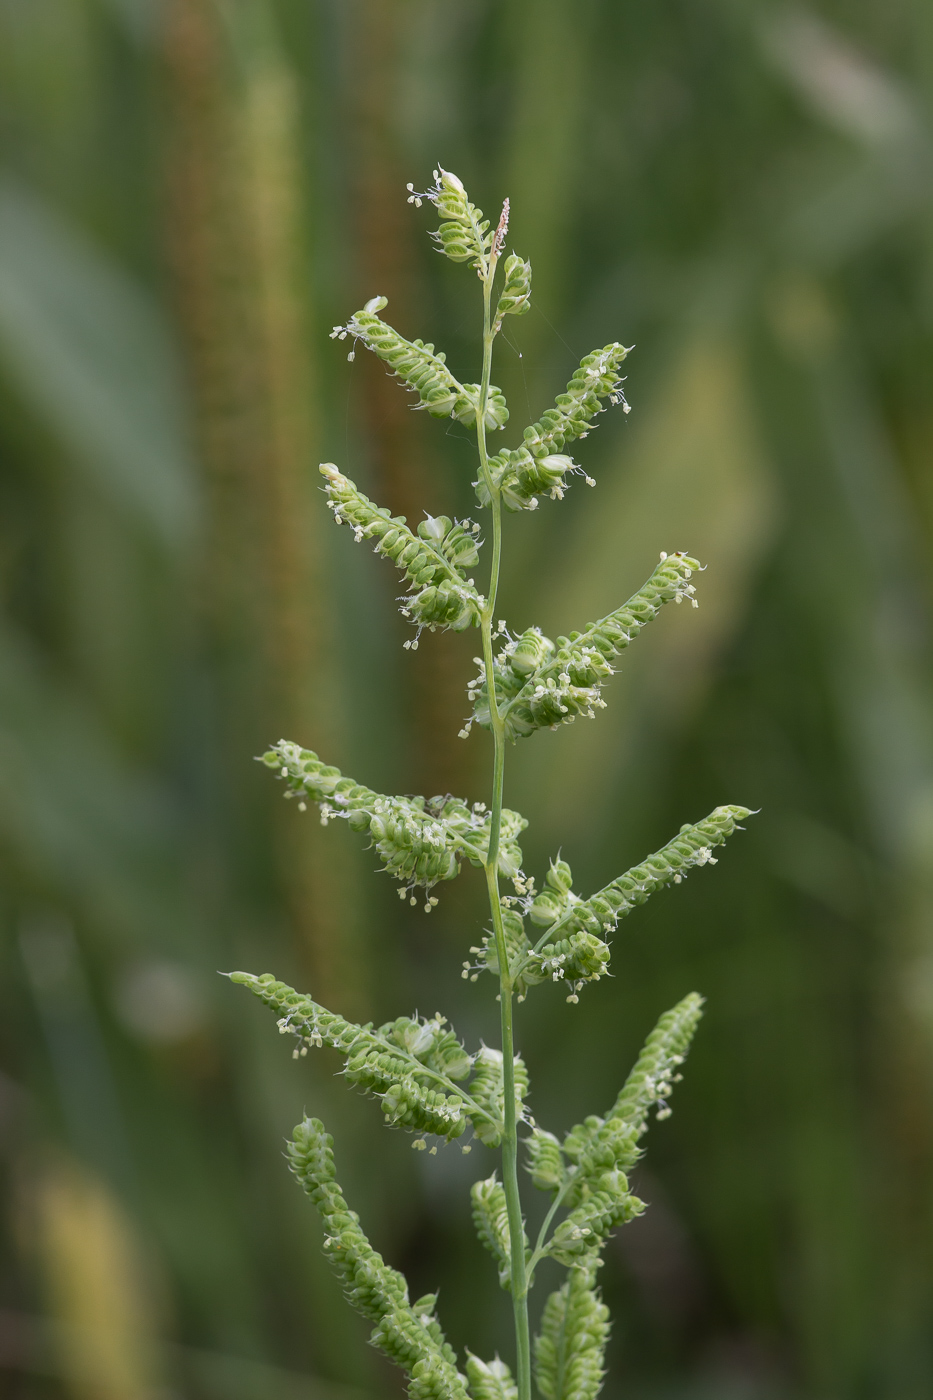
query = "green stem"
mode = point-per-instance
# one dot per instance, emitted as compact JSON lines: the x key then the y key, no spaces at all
{"x":518,"y":1278}
{"x":542,"y":1241}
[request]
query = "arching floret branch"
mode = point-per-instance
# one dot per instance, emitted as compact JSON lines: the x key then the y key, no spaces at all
{"x":425,"y":1080}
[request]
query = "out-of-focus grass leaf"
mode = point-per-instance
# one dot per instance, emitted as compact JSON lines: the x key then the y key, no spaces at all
{"x":73,"y":813}
{"x":90,"y":353}
{"x":892,"y":177}
{"x":838,"y":83}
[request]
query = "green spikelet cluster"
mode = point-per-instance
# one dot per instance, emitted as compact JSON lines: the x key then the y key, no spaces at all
{"x":541,"y":684}
{"x":464,"y":234}
{"x":516,"y":944}
{"x":546,"y":1161}
{"x":411,"y":361}
{"x":589,"y":1224}
{"x":410,"y":1335}
{"x":559,"y":907}
{"x":432,"y":560}
{"x":413,"y":1065}
{"x":595,"y":1147}
{"x":570,"y":1347}
{"x":488,"y":1090}
{"x":578,"y":958}
{"x":657,"y":1067}
{"x":490,"y":1380}
{"x":423,"y":371}
{"x":539,"y":467}
{"x":491,"y":1219}
{"x":421,"y":1075}
{"x":515,"y":297}
{"x":419,"y":841}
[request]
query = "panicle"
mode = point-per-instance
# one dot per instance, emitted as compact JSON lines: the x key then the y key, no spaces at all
{"x":490,"y":1380}
{"x":419,"y":841}
{"x":409,"y":1334}
{"x":491,"y":1221}
{"x":541,"y":684}
{"x":570,"y":1347}
{"x":431,"y":560}
{"x":540,"y":467}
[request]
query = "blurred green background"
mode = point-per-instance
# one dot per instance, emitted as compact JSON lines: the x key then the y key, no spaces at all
{"x":192,"y":193}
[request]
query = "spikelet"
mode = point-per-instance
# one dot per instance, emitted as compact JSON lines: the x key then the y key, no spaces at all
{"x":410,"y":1335}
{"x":539,"y":466}
{"x":464,"y":234}
{"x":490,"y":1380}
{"x":431,"y":560}
{"x":420,"y":842}
{"x":558,"y":908}
{"x":515,"y":297}
{"x":488,"y":1091}
{"x":491,"y":1220}
{"x":422,"y":370}
{"x":541,"y":684}
{"x":411,"y":1065}
{"x":545,"y":1161}
{"x":570,"y":1347}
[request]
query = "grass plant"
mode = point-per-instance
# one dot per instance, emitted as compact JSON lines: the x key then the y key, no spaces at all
{"x":425,"y":1080}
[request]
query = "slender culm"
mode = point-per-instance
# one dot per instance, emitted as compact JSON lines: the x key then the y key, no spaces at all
{"x":425,"y":1080}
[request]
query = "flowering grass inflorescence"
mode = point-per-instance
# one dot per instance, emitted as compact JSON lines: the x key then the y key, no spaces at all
{"x":423,"y":1077}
